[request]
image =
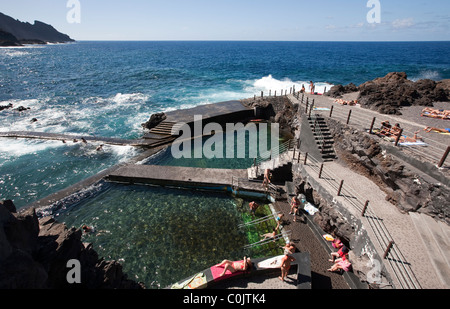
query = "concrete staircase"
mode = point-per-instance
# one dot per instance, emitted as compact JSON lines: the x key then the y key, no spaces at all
{"x":322,"y":136}
{"x":436,"y":238}
{"x":164,"y":128}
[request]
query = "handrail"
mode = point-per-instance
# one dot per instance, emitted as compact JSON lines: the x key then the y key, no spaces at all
{"x":402,"y":272}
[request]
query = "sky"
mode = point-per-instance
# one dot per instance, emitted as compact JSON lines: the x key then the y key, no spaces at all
{"x":248,"y":20}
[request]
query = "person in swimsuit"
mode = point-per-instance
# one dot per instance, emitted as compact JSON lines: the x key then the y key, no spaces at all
{"x":340,"y":254}
{"x":279,"y":220}
{"x":266,"y":178}
{"x":429,"y":129}
{"x":253,"y":207}
{"x":285,"y":265}
{"x":295,"y":204}
{"x":342,"y":263}
{"x":235,"y":266}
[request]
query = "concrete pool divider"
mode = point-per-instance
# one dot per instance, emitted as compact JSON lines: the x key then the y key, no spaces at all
{"x":231,"y":111}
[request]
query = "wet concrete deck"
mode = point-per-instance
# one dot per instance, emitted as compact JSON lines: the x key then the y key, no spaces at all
{"x":147,"y":142}
{"x":200,"y":178}
{"x":210,"y":112}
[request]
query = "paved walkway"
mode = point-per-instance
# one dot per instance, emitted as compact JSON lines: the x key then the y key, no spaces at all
{"x":410,"y":121}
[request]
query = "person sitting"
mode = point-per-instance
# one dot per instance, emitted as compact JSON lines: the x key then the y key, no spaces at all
{"x":235,"y":266}
{"x":341,"y":264}
{"x":396,"y":129}
{"x":385,"y":128}
{"x":340,"y":254}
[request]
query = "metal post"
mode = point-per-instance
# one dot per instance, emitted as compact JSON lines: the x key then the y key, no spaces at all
{"x":363,"y":213}
{"x":293,"y":156}
{"x":262,"y":94}
{"x":444,"y":157}
{"x":270,"y":93}
{"x":340,"y":188}
{"x":321,"y":170}
{"x":306,"y":158}
{"x":398,"y":137}
{"x":386,"y":253}
{"x":307,"y":105}
{"x":371,"y":126}
{"x":331,"y":111}
{"x":349,"y":115}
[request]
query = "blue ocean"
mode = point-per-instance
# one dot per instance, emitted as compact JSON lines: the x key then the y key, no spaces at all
{"x":109,"y":88}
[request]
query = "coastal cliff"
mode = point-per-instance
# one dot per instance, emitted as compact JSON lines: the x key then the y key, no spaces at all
{"x":16,"y":33}
{"x":34,"y":254}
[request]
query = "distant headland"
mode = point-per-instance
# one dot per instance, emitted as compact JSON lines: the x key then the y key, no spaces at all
{"x":16,"y":33}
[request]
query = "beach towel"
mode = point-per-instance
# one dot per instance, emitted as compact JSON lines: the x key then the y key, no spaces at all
{"x":217,"y":270}
{"x":309,"y":208}
{"x":418,"y":143}
{"x":321,"y":109}
{"x":328,"y":237}
{"x":192,"y":283}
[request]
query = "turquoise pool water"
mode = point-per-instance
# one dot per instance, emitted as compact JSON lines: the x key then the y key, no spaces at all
{"x":163,"y":235}
{"x":166,"y":158}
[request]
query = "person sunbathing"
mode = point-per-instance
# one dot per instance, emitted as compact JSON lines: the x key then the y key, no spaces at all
{"x":416,"y":138}
{"x":429,"y":129}
{"x":235,"y":266}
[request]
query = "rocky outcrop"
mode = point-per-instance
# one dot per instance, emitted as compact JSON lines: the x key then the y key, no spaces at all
{"x":339,"y":90}
{"x":278,"y":110}
{"x":389,"y":93}
{"x":154,"y":121}
{"x":34,"y":255}
{"x":26,"y":33}
{"x":7,"y":39}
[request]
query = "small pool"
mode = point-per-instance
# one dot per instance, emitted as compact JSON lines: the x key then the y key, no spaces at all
{"x":163,"y":235}
{"x":166,"y":158}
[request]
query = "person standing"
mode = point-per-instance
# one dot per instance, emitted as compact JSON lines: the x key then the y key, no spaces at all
{"x":286,"y":265}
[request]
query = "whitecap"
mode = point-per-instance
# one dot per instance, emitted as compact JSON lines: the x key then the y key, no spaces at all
{"x":427,"y":74}
{"x":269,"y":83}
{"x":20,"y":147}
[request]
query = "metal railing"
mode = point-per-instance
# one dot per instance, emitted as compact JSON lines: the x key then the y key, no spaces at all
{"x":396,"y":260}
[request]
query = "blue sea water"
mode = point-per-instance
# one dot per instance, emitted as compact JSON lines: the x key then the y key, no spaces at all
{"x":110,"y":88}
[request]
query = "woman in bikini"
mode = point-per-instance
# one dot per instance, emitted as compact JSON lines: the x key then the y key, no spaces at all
{"x":235,"y":266}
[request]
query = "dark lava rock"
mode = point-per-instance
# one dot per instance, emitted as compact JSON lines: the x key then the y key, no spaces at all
{"x":34,"y":255}
{"x":154,"y":120}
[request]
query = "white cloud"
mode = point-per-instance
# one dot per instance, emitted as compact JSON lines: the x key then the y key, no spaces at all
{"x":403,"y":23}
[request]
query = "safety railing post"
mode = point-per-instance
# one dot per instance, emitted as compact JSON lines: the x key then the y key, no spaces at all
{"x":444,"y":157}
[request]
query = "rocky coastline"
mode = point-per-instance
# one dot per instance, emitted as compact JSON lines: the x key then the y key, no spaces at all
{"x":390,"y":93}
{"x":406,"y":188}
{"x":34,"y":254}
{"x":16,"y":33}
